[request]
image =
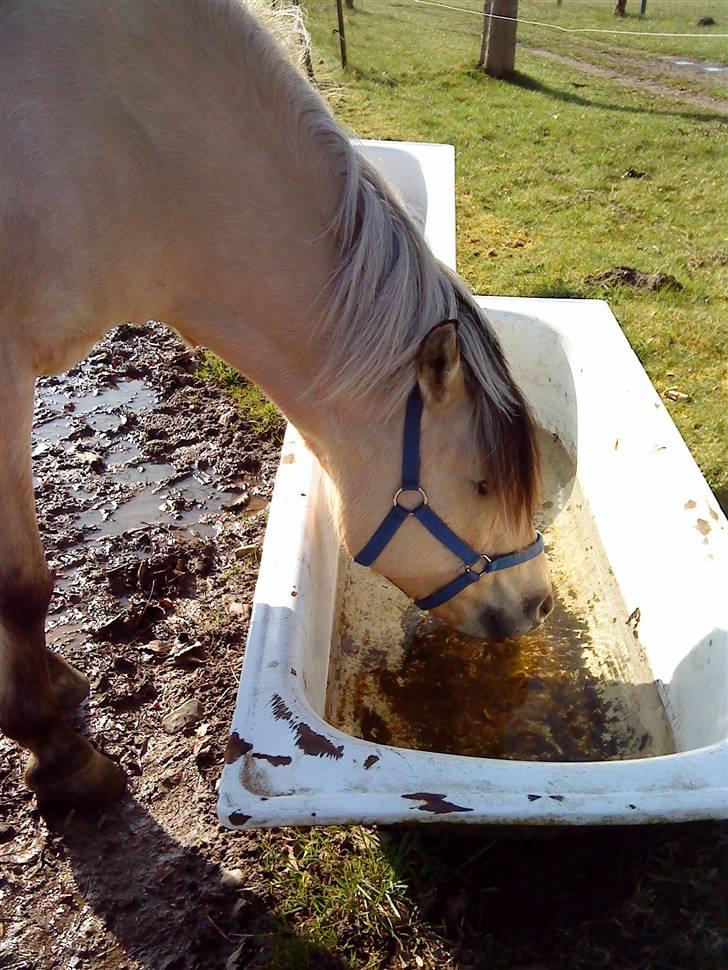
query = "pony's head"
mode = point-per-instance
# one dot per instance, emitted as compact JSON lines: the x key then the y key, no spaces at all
{"x":475,"y":465}
{"x":460,"y":454}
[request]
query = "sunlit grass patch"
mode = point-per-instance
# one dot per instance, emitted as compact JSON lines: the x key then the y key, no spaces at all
{"x":259,"y":412}
{"x":339,"y":890}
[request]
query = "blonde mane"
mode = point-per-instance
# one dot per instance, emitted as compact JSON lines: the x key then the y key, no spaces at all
{"x":387,"y":291}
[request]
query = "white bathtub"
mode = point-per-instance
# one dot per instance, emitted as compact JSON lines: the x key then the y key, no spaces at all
{"x":666,"y":541}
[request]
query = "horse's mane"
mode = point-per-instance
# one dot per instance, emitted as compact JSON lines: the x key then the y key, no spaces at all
{"x":387,"y":291}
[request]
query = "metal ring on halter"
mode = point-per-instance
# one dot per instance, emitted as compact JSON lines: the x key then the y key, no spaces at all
{"x":469,"y":569}
{"x":422,"y":492}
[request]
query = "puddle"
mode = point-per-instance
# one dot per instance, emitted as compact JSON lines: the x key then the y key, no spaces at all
{"x":66,"y":635}
{"x":182,"y":503}
{"x":702,"y":66}
{"x":49,"y":431}
{"x":151,"y":473}
{"x":143,"y":494}
{"x":127,"y":392}
{"x":578,"y":689}
{"x":101,"y":406}
{"x":105,"y":422}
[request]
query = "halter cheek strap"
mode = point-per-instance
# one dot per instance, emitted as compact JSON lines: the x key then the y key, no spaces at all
{"x":475,"y":564}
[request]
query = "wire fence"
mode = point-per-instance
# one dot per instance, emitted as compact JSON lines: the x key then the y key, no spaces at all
{"x":567,"y":30}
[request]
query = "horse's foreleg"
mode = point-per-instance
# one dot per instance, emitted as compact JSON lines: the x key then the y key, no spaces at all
{"x":69,"y":685}
{"x":63,"y":767}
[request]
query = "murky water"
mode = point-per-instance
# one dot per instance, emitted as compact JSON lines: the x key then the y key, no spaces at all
{"x":578,"y":689}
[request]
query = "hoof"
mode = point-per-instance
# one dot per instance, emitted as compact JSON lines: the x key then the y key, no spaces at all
{"x":69,"y":685}
{"x":93,"y":780}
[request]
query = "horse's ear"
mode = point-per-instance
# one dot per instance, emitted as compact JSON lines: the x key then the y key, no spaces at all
{"x":439,"y":373}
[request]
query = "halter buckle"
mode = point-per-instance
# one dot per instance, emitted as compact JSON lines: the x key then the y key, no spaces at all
{"x":486,"y":560}
{"x":423,"y":493}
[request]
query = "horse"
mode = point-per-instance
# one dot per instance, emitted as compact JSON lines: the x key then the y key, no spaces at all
{"x":171,"y":161}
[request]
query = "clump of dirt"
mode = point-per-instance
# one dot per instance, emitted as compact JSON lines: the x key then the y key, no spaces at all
{"x":628,"y":276}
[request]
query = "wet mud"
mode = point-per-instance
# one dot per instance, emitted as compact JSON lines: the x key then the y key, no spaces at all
{"x":152,"y":494}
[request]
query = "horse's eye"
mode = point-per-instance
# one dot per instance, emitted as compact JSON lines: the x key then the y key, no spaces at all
{"x":482,"y":488}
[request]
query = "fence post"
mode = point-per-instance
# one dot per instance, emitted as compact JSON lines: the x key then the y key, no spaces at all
{"x":500,"y":59}
{"x":643,"y":8}
{"x":487,"y":7}
{"x":342,"y":33}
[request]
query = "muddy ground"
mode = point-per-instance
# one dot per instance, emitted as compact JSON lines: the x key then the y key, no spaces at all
{"x":151,"y":496}
{"x":152,"y":493}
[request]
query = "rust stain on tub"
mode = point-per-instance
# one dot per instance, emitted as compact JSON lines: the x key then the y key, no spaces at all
{"x":310,"y":742}
{"x":703,"y":526}
{"x":371,"y":760}
{"x":236,"y":748}
{"x":237,"y":818}
{"x":288,"y":459}
{"x":435,"y":803}
{"x":690,"y":504}
{"x":275,"y":759}
{"x":280,"y":711}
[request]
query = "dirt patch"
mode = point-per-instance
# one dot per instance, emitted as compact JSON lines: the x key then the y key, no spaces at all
{"x":636,"y":80}
{"x":667,"y":65}
{"x":628,"y":276}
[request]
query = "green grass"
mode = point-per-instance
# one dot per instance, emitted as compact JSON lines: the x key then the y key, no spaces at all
{"x":338,"y":889}
{"x":541,"y":198}
{"x":642,"y":898}
{"x":262,"y":415}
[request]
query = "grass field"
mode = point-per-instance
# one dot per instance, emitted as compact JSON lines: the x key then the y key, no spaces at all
{"x":543,"y":202}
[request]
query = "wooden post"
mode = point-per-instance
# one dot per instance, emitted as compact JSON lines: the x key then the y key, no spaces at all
{"x":500,"y":59}
{"x":487,"y":4}
{"x":307,"y":62}
{"x":643,"y":8}
{"x":342,"y":33}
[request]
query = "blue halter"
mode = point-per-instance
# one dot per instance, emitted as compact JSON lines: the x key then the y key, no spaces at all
{"x":475,"y":564}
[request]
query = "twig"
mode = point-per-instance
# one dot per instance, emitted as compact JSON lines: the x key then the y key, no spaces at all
{"x":223,"y":935}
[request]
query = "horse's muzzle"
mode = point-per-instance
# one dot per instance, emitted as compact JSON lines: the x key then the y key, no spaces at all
{"x":498,"y":625}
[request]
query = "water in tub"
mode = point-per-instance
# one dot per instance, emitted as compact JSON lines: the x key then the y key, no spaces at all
{"x":578,"y":689}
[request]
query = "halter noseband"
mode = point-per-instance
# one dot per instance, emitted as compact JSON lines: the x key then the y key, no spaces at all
{"x":475,"y":564}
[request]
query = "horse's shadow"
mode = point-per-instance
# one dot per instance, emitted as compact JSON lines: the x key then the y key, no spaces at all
{"x":169,"y":905}
{"x":534,"y":897}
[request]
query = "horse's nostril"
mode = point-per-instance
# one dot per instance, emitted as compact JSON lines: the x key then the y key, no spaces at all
{"x":537,"y":608}
{"x":495,"y":625}
{"x":546,"y":607}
